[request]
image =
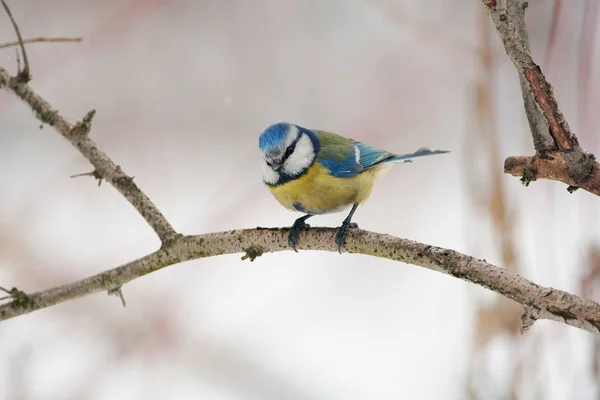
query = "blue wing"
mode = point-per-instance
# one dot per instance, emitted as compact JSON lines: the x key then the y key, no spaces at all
{"x":346,"y":158}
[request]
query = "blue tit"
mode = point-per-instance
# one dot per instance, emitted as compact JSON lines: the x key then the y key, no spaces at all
{"x":317,"y":172}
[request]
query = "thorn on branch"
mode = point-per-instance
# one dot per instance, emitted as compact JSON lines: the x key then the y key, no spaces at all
{"x":253,"y":252}
{"x":116,"y":291}
{"x":82,"y":127}
{"x":95,"y":174}
{"x":19,"y":297}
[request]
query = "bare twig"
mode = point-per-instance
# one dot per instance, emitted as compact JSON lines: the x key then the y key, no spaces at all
{"x":539,"y":302}
{"x":41,"y":40}
{"x":94,"y":174}
{"x":24,"y":75}
{"x":104,"y":166}
{"x":117,"y":291}
{"x":550,"y":130}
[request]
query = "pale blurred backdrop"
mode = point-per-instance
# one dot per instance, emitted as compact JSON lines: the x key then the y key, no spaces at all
{"x":182,"y":90}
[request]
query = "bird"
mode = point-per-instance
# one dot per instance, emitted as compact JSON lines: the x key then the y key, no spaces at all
{"x":317,"y":172}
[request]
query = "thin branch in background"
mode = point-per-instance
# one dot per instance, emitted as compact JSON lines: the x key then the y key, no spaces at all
{"x":23,"y":75}
{"x":41,"y":40}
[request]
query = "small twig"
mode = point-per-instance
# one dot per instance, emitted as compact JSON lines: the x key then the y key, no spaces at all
{"x":41,"y":40}
{"x":24,"y":75}
{"x":10,"y":296}
{"x":19,"y":297}
{"x":253,"y":252}
{"x":94,"y":174}
{"x":116,"y":291}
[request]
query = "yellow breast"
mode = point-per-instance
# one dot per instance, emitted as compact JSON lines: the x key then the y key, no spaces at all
{"x":317,"y":192}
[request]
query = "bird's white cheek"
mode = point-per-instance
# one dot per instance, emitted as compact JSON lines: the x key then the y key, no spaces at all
{"x":269,"y":176}
{"x":301,"y":158}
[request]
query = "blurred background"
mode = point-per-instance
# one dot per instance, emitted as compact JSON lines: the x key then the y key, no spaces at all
{"x":182,"y":90}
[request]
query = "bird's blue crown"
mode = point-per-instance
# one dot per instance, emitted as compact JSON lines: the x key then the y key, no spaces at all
{"x":273,"y":136}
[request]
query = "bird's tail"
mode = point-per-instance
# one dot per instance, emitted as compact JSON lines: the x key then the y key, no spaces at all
{"x":422,"y":152}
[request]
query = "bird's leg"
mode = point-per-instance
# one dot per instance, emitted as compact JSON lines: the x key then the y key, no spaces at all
{"x":340,"y":236}
{"x":295,"y":230}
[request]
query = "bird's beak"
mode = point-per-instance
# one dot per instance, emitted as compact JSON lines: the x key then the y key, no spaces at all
{"x":277,"y":167}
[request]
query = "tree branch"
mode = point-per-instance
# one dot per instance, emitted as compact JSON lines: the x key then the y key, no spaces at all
{"x":25,"y":74}
{"x":41,"y":40}
{"x":549,"y":129}
{"x":77,"y":135}
{"x":553,"y":167}
{"x":539,"y":302}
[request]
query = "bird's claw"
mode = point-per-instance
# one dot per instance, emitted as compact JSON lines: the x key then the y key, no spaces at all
{"x":342,"y":233}
{"x":295,"y":232}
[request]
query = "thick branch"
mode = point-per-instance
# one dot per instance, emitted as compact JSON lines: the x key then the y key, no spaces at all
{"x":517,"y":47}
{"x":77,"y":135}
{"x":553,"y":167}
{"x":549,"y":128}
{"x":539,"y":302}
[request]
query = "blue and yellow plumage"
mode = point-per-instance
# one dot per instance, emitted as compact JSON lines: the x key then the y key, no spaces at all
{"x":317,"y":172}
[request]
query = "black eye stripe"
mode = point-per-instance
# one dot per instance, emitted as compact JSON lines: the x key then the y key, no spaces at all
{"x":290,"y":149}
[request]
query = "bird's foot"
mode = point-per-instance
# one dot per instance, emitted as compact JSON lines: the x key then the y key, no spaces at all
{"x":340,"y":236}
{"x":299,"y":224}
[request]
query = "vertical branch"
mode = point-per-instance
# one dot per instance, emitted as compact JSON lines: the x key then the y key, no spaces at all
{"x":24,"y":75}
{"x":552,"y":137}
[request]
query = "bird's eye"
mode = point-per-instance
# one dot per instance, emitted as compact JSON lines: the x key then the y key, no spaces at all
{"x":269,"y":164}
{"x":288,"y":152}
